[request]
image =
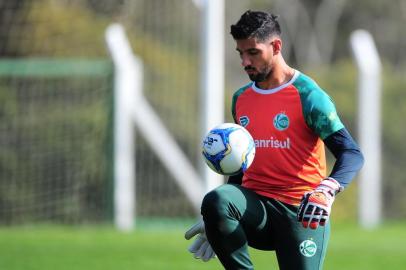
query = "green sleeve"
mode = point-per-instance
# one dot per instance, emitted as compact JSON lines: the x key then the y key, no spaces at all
{"x":235,"y":98}
{"x":318,"y":108}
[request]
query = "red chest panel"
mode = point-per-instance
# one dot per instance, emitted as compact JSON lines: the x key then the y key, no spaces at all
{"x":290,"y":158}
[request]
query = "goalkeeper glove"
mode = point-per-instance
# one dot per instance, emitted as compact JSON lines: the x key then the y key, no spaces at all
{"x":200,"y":248}
{"x":315,"y":206}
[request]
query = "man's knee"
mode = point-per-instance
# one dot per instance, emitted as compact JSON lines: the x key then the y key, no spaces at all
{"x":217,"y":202}
{"x":211,"y":203}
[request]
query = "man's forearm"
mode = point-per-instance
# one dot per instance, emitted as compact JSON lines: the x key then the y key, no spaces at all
{"x":349,"y":158}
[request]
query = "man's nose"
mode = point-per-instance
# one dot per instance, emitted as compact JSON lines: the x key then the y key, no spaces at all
{"x":245,"y":61}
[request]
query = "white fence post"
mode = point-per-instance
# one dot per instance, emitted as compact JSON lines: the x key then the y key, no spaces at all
{"x":212,"y":79}
{"x":369,"y":122}
{"x":127,"y":83}
{"x":132,"y":109}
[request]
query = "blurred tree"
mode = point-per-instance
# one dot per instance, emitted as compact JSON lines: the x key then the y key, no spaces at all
{"x":317,"y":31}
{"x":386,"y":23}
{"x":11,"y":12}
{"x":166,"y":35}
{"x":311,"y":29}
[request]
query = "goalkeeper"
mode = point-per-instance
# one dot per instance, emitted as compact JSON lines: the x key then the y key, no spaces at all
{"x":283,"y":201}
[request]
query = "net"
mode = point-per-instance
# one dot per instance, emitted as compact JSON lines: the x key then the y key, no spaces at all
{"x":56,"y":96}
{"x":55,"y":132}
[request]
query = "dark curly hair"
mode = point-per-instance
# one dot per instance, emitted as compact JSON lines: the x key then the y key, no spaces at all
{"x":256,"y":24}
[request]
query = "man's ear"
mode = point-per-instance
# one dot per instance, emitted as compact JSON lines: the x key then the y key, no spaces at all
{"x":277,"y":46}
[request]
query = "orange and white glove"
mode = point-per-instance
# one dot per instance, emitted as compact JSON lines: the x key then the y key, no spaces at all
{"x":315,"y":207}
{"x":200,"y":248}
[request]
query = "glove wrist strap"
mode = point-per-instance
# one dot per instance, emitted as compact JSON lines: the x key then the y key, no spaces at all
{"x":330,"y":185}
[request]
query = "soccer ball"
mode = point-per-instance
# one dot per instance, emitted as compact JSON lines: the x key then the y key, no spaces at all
{"x":228,"y":149}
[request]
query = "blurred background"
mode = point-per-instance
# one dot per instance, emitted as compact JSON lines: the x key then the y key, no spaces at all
{"x":56,"y":98}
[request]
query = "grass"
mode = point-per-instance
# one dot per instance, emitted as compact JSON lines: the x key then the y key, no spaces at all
{"x":103,"y":248}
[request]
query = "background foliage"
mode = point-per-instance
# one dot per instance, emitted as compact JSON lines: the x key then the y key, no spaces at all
{"x":166,"y":35}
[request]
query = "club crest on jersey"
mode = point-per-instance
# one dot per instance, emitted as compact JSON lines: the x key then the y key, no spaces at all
{"x":244,"y":121}
{"x":281,"y":121}
{"x":308,"y":248}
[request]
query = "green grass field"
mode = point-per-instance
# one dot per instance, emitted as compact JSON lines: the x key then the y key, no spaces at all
{"x":102,"y":248}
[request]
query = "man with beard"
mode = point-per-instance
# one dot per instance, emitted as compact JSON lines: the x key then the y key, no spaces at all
{"x":283,"y":201}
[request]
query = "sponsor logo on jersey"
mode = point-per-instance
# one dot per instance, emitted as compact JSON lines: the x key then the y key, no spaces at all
{"x":272,"y":143}
{"x":308,"y":248}
{"x":244,"y":121}
{"x":281,"y":121}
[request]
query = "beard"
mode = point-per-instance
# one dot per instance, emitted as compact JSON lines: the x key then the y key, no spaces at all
{"x":261,"y":74}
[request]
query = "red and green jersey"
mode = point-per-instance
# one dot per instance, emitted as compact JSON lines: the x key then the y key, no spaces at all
{"x":288,"y":124}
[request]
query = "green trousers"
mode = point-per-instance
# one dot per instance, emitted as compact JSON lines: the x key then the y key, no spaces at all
{"x":236,"y":218}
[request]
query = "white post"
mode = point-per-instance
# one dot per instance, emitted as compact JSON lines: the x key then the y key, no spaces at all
{"x":212,"y":79}
{"x":168,"y":152}
{"x":127,"y":84}
{"x":369,"y":106}
{"x":132,"y":109}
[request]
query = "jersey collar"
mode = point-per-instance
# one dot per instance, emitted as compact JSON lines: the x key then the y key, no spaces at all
{"x":276,"y":89}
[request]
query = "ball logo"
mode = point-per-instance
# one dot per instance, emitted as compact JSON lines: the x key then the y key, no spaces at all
{"x":308,"y":248}
{"x":209,"y":141}
{"x":281,"y":121}
{"x":244,"y":121}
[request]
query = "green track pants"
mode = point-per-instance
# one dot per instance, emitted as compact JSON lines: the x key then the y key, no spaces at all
{"x":236,"y":218}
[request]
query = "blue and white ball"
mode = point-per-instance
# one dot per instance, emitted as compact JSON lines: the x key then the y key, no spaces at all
{"x":228,"y":149}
